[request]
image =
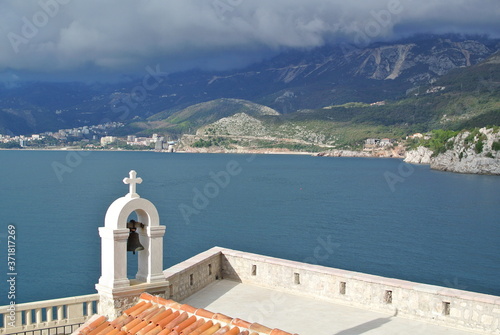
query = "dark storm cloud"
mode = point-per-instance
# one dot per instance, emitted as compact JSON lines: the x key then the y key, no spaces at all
{"x":121,"y":36}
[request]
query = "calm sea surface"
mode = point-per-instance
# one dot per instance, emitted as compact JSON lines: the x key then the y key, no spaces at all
{"x":378,"y":216}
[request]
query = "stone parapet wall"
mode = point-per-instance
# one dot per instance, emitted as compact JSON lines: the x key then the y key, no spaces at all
{"x":194,"y":274}
{"x":433,"y":304}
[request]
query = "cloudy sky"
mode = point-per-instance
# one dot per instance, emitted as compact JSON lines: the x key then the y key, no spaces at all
{"x":57,"y":38}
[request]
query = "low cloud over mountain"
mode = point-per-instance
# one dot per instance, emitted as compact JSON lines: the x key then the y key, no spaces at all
{"x":119,"y":37}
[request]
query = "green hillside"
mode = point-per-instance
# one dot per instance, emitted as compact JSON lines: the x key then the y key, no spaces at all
{"x":464,"y":98}
{"x":193,"y":117}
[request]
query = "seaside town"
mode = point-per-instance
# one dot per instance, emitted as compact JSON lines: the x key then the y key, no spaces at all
{"x":87,"y":137}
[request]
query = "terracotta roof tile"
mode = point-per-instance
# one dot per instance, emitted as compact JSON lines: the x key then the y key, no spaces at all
{"x":107,"y":330}
{"x":149,"y":313}
{"x":204,"y":313}
{"x":173,"y":304}
{"x":162,"y":323}
{"x":131,"y":325}
{"x":133,"y":308}
{"x":155,"y":299}
{"x":176,"y":321}
{"x":278,"y":332}
{"x":234,"y":331}
{"x":165,"y":332}
{"x":122,"y":322}
{"x":146,"y":329}
{"x":155,"y":330}
{"x":188,"y":308}
{"x":211,"y":330}
{"x":100,"y":328}
{"x":260,"y":328}
{"x":222,"y":331}
{"x":202,"y":328}
{"x":141,"y":309}
{"x":195,"y":325}
{"x":113,"y":331}
{"x":222,"y":317}
{"x":162,"y":315}
{"x":138,"y":327}
{"x":157,"y":316}
{"x":180,"y":327}
{"x":93,"y":323}
{"x":241,"y":323}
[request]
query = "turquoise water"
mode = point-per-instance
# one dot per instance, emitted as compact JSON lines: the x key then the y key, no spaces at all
{"x":377,"y":216}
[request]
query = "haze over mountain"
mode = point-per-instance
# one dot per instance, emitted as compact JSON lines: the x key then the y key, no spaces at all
{"x":85,"y":40}
{"x":291,"y":81}
{"x":66,"y":64}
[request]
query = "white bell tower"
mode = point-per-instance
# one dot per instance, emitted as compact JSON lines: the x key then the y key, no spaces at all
{"x":116,"y":291}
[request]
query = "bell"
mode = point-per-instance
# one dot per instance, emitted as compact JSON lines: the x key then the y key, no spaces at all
{"x":133,"y":243}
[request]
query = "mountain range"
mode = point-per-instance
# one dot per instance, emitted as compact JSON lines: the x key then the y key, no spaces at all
{"x":415,"y":84}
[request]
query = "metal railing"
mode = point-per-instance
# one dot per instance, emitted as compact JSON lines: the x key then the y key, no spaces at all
{"x":47,"y":317}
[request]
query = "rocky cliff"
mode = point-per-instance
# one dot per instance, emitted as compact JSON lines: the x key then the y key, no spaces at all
{"x":476,"y":152}
{"x":421,"y":155}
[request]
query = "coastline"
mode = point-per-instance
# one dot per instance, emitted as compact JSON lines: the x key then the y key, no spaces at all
{"x":386,"y":154}
{"x":334,"y":153}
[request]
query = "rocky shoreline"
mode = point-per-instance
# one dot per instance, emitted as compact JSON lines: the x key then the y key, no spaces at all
{"x":397,"y":152}
{"x":470,"y":153}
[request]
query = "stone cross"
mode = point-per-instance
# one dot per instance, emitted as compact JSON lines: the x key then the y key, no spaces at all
{"x":132,"y":181}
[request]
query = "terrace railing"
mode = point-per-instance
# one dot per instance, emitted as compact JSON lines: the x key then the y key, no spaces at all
{"x":49,"y":317}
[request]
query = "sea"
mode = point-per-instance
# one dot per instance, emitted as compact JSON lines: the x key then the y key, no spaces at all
{"x":376,"y":216}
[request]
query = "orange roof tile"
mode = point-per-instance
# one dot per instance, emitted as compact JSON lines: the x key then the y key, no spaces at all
{"x":222,"y":331}
{"x":166,"y":332}
{"x":278,"y":332}
{"x":147,"y":329}
{"x":100,"y":328}
{"x":93,"y":323}
{"x":222,"y":317}
{"x":180,"y":327}
{"x":141,"y":309}
{"x":148,"y":313}
{"x":106,"y":330}
{"x":202,"y":328}
{"x":119,"y":323}
{"x":131,"y":325}
{"x":138,"y":327}
{"x":234,"y":331}
{"x":204,"y":313}
{"x":188,"y":308}
{"x":260,"y":328}
{"x":241,"y":323}
{"x":162,"y":323}
{"x":133,"y":308}
{"x":114,"y":331}
{"x":162,"y":315}
{"x":157,"y":316}
{"x":211,"y":330}
{"x":176,"y":321}
{"x":155,"y":330}
{"x":197,"y":324}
